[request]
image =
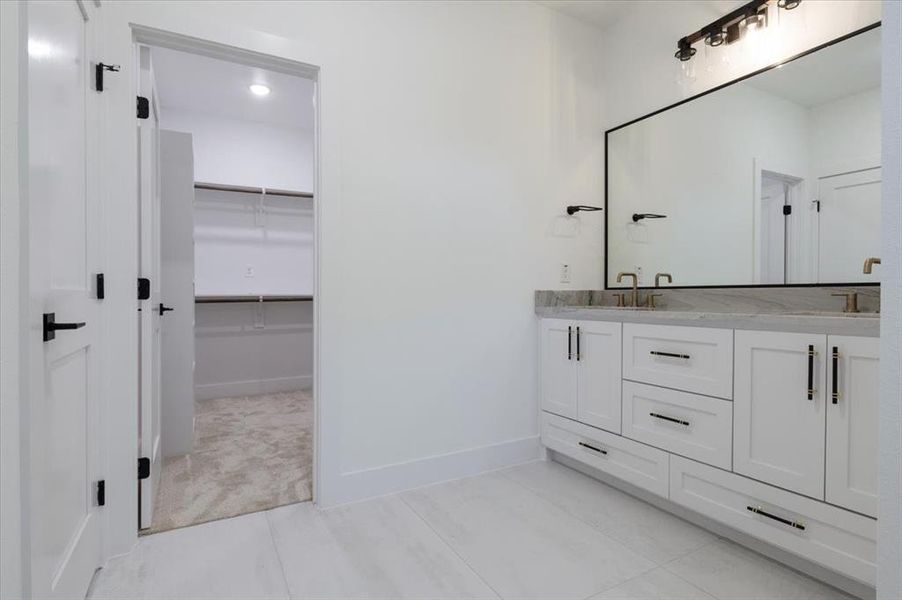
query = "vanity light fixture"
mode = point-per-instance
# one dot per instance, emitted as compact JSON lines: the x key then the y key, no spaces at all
{"x":731,"y":27}
{"x":716,"y":37}
{"x":258,"y":89}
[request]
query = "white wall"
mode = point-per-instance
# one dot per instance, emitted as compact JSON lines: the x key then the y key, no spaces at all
{"x":845,"y":134}
{"x":451,"y":137}
{"x":258,"y":154}
{"x":13,"y":285}
{"x":889,"y":527}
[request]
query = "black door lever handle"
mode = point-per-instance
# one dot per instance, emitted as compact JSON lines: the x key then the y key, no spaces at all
{"x":51,"y":326}
{"x":164,"y":309}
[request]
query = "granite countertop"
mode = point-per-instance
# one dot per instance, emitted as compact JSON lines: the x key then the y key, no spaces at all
{"x":837,"y":323}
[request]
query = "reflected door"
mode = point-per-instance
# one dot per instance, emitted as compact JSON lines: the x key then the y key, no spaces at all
{"x":848,"y":225}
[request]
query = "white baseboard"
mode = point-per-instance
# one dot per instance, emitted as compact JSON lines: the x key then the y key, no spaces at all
{"x":369,"y":483}
{"x":209,"y":391}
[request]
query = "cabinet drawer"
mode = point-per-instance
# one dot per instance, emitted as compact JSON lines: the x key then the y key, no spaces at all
{"x":698,"y":427}
{"x":837,"y":539}
{"x":693,"y":359}
{"x":640,"y":465}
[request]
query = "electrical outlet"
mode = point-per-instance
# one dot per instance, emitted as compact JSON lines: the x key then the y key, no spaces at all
{"x":249,"y":272}
{"x":565,"y":273}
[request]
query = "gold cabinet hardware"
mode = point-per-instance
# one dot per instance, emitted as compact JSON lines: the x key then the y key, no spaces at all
{"x":869,"y":264}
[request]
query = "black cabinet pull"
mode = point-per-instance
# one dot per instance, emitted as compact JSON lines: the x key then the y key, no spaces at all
{"x":51,"y":326}
{"x":811,"y":354}
{"x":757,"y":510}
{"x":569,"y":342}
{"x":669,"y":354}
{"x":578,"y":336}
{"x":164,"y":309}
{"x":835,"y":393}
{"x":590,"y":447}
{"x":671,"y":419}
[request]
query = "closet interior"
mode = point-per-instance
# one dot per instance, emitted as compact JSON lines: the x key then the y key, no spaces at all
{"x":237,"y":267}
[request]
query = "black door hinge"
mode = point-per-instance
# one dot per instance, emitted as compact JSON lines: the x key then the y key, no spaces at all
{"x":101,"y":493}
{"x":143,"y":468}
{"x":143,"y":107}
{"x":99,"y":292}
{"x":99,"y":68}
{"x":787,"y":209}
{"x":143,"y":288}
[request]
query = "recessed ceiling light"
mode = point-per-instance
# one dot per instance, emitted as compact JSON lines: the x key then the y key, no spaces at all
{"x":258,"y":89}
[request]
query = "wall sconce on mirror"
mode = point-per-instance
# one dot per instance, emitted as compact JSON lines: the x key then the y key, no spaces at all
{"x":575,"y":208}
{"x":640,"y":216}
{"x":731,"y":27}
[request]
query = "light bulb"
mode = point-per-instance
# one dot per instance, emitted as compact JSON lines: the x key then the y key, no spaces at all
{"x":258,"y":89}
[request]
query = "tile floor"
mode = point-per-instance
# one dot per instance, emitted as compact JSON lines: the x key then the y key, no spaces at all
{"x":251,"y":453}
{"x":538,"y":530}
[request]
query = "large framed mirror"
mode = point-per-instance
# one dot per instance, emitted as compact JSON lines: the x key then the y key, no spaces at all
{"x":772,"y":179}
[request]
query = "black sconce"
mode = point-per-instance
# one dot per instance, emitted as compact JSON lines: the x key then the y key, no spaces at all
{"x":581,"y":207}
{"x":639,"y":216}
{"x":726,"y":29}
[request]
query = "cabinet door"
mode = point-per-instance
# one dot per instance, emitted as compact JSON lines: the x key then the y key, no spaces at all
{"x":558,"y":367}
{"x":779,"y":409}
{"x":598,"y":374}
{"x":852,"y":422}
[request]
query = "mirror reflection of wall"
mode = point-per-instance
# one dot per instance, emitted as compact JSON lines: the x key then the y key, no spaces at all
{"x":771,"y":180}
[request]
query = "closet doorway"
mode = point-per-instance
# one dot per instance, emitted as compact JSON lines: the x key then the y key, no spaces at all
{"x":226,"y":163}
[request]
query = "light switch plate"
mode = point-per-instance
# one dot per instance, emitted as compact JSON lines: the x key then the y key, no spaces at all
{"x":565,"y":273}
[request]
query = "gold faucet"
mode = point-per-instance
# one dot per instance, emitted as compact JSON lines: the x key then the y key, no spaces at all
{"x":660,"y":276}
{"x":851,"y":301}
{"x":869,"y":264}
{"x":634,"y":300}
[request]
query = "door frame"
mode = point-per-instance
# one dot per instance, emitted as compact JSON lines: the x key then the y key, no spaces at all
{"x":126,"y":26}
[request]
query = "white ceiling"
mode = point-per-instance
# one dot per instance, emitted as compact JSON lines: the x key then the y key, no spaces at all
{"x":193,"y":82}
{"x":607,"y":13}
{"x":601,"y":13}
{"x":846,"y":68}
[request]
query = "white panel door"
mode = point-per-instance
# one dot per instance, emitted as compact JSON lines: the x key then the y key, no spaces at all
{"x":779,"y":409}
{"x":558,"y":367}
{"x":598,"y":357}
{"x":151,"y":313}
{"x":772,"y":238}
{"x":853,"y":375}
{"x":848,"y":225}
{"x":65,"y":523}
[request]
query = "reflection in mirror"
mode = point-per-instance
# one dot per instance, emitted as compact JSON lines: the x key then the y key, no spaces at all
{"x":771,"y":180}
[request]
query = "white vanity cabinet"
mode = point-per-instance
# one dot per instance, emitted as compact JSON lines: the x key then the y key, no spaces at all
{"x":779,"y":409}
{"x":805,"y":415}
{"x":580,"y":371}
{"x":851,"y":470}
{"x":771,"y":433}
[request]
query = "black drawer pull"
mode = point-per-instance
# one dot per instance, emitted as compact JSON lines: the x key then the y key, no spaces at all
{"x":669,"y":354}
{"x":757,"y":510}
{"x":569,"y":342}
{"x":835,"y":393}
{"x":811,"y":355}
{"x":578,"y":334}
{"x":590,"y":447}
{"x":671,"y":419}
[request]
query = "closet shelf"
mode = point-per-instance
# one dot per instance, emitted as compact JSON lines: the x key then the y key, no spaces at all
{"x":248,"y":298}
{"x":220,"y":187}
